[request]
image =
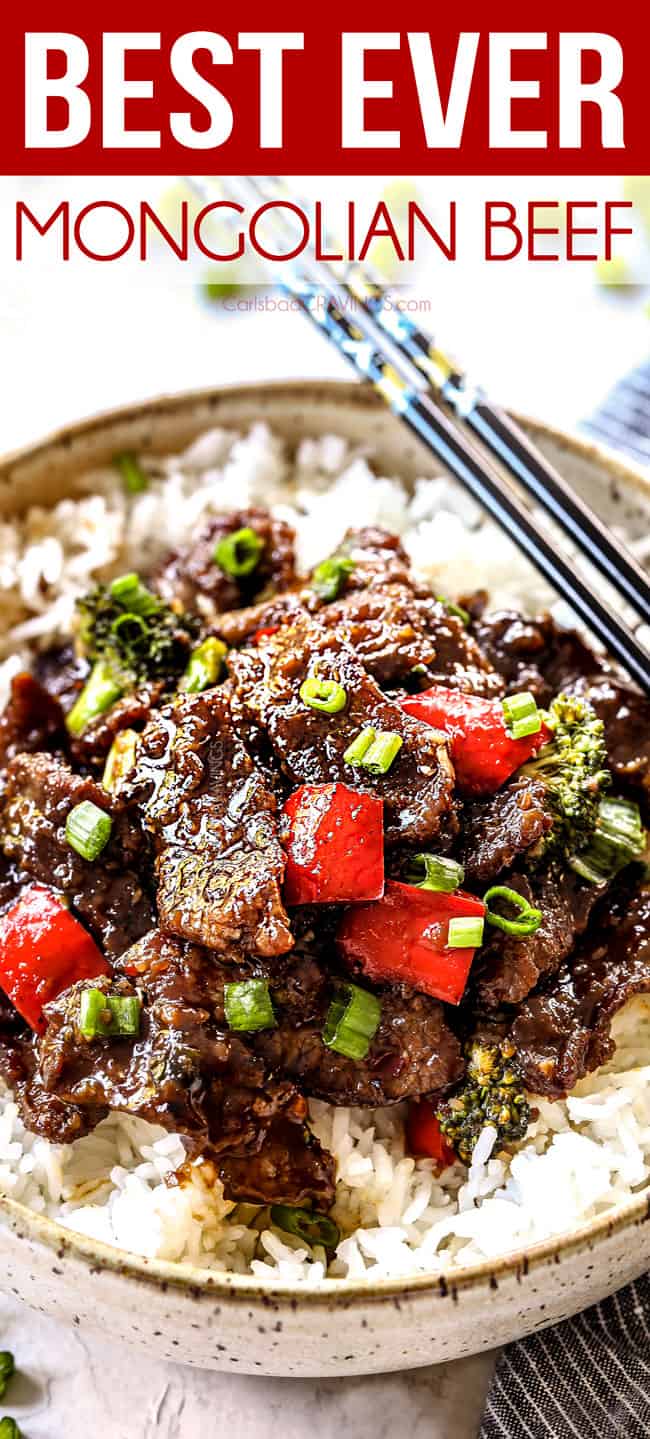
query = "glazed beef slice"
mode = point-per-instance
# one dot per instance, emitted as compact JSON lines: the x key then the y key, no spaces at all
{"x":417,"y":791}
{"x":192,"y":579}
{"x":563,"y":1032}
{"x":531,"y":654}
{"x":496,"y":830}
{"x":509,"y":966}
{"x":188,"y":1072}
{"x":220,"y":866}
{"x":108,"y":893}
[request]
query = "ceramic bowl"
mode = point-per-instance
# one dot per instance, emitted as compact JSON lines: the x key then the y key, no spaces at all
{"x":348,"y":1327}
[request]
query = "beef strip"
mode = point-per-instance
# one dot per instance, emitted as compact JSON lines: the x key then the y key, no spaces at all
{"x":220,"y":866}
{"x":495,"y":831}
{"x":108,"y":893}
{"x":396,"y":632}
{"x":239,"y":627}
{"x":510,"y":967}
{"x":189,"y":1073}
{"x":531,"y":654}
{"x":417,"y":790}
{"x":396,"y":627}
{"x":31,"y":720}
{"x":564,"y":1031}
{"x":191,"y":578}
{"x":625,"y":713}
{"x":413,"y":1051}
{"x":62,"y":672}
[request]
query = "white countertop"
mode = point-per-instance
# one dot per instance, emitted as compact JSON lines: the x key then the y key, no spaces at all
{"x":72,"y":1384}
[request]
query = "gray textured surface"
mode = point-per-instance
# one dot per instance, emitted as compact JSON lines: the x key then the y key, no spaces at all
{"x":72,"y":1384}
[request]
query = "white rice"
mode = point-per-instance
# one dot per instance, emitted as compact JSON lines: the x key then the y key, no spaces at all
{"x":580,"y":1158}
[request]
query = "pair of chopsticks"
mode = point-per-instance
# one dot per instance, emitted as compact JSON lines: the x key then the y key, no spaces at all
{"x":422,"y":386}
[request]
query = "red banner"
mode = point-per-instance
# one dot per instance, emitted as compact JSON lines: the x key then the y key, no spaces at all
{"x":255,"y":90}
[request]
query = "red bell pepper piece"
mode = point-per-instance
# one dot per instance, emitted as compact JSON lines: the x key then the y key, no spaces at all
{"x":424,"y":1134}
{"x":265,"y":633}
{"x":402,"y":938}
{"x":43,"y":950}
{"x":482,"y":749}
{"x":334,"y":841}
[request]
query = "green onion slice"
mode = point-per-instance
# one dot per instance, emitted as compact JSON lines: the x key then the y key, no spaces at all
{"x":528,"y":917}
{"x":108,"y":1016}
{"x":374,"y":750}
{"x":356,"y":751}
{"x":465,"y":933}
{"x":329,"y":577}
{"x":88,"y":829}
{"x":9,"y":1428}
{"x":248,"y":1006}
{"x":381,"y":753}
{"x":433,"y":871}
{"x":100,"y":691}
{"x":134,"y":478}
{"x":204,"y":666}
{"x":7,"y":1369}
{"x":456,"y":610}
{"x":618,"y":839}
{"x":352,"y":1021}
{"x":239,"y":554}
{"x":307,"y":1224}
{"x":133,"y":596}
{"x":521,"y":715}
{"x":325,"y":695}
{"x":130,"y":629}
{"x":120,"y":760}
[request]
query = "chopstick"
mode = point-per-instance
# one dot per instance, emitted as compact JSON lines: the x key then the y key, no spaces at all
{"x":501,"y":436}
{"x":361,"y":341}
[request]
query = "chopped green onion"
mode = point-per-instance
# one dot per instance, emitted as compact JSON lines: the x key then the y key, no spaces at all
{"x":374,"y":751}
{"x":452,"y":609}
{"x":329,"y":577}
{"x":133,"y":476}
{"x":130,"y":629}
{"x":528,"y":919}
{"x":355,"y":752}
{"x":618,"y":839}
{"x":9,"y":1429}
{"x":465,"y":933}
{"x":120,"y":761}
{"x":204,"y":666}
{"x":88,"y":829}
{"x":108,"y":1016}
{"x":521,"y":715}
{"x":307,"y":1224}
{"x":248,"y":1006}
{"x":133,"y":596}
{"x":352,"y":1021}
{"x":101,"y":690}
{"x":432,"y":871}
{"x":239,"y":554}
{"x":7,"y":1369}
{"x":381,"y":753}
{"x":326,"y":695}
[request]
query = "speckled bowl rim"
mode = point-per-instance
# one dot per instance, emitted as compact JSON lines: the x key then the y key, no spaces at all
{"x":200,"y":1283}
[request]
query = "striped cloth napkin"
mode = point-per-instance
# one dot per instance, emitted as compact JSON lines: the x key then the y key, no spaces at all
{"x":588,"y":1378}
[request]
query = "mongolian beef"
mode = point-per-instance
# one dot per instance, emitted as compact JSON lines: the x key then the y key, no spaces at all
{"x":266,"y":838}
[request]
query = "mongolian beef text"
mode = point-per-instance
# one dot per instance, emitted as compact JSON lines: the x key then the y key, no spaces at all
{"x":264,"y":838}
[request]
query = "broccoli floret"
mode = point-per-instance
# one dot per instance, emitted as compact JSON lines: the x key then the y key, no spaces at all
{"x":491,"y":1093}
{"x":573,"y":769}
{"x":130,"y":635}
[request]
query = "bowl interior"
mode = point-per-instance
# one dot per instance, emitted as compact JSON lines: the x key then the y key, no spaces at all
{"x":41,"y":475}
